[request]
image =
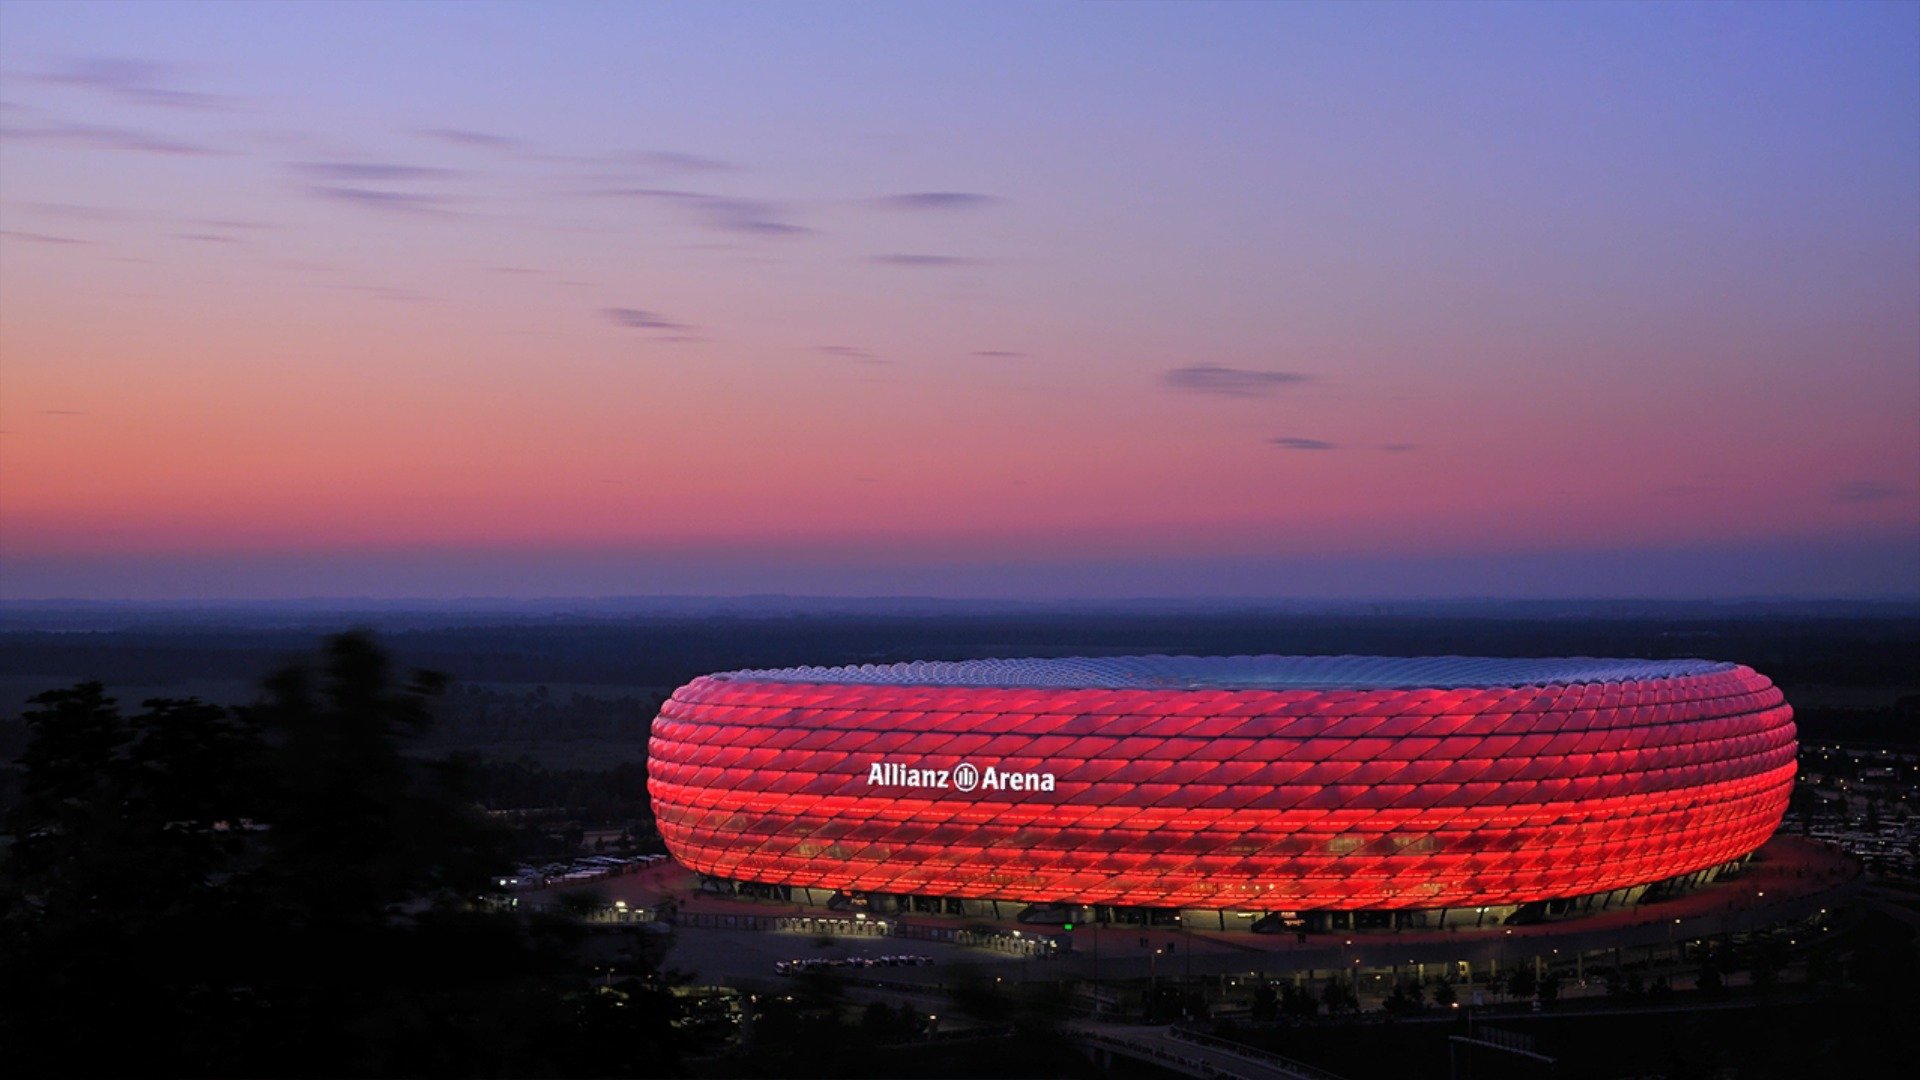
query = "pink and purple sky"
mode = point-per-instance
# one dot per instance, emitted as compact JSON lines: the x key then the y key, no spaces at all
{"x":995,"y":300}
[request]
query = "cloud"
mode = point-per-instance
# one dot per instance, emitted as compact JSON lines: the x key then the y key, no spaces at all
{"x":64,"y":412}
{"x":849,"y":352}
{"x":400,"y":202}
{"x":1230,"y":382}
{"x":672,"y":161}
{"x":637,"y":319}
{"x":95,"y":137}
{"x":1400,"y":447}
{"x":619,"y":166}
{"x":206,"y":238}
{"x":999,"y":354}
{"x":721,"y":212}
{"x":40,"y":238}
{"x":80,"y":211}
{"x":935,"y":200}
{"x":1865,"y":491}
{"x":364,"y":171}
{"x":138,"y":82}
{"x":233,"y":223}
{"x":1289,"y":442}
{"x":933,"y":261}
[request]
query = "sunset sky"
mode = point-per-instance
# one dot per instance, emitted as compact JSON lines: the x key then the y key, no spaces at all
{"x":993,"y":300}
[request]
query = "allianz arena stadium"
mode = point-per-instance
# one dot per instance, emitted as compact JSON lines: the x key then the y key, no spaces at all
{"x":1260,"y":784}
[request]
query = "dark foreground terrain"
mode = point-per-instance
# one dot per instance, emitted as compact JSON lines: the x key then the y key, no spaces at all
{"x":343,"y":924}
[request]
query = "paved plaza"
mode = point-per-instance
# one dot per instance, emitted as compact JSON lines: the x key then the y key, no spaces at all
{"x":726,"y":938}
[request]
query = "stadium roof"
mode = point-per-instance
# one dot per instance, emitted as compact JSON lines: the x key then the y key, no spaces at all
{"x":1246,"y":672}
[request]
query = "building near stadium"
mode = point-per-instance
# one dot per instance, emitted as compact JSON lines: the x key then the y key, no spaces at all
{"x":1252,"y":784}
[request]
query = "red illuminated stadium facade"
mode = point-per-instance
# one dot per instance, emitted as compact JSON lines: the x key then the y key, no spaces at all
{"x":1251,"y":784}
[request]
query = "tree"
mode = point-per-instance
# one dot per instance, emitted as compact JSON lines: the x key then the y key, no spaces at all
{"x":1408,"y":997}
{"x":1521,"y":982}
{"x":1710,"y":982}
{"x":1338,"y":995}
{"x":1297,"y":1003}
{"x":277,"y":889}
{"x":113,"y":899}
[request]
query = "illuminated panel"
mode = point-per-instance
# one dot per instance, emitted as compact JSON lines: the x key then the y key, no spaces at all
{"x":1244,"y":782}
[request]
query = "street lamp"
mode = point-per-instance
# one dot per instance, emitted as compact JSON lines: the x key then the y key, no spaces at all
{"x":1188,"y":931}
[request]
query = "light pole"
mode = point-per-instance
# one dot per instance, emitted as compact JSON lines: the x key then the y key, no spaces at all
{"x":1188,"y":931}
{"x":1095,"y":928}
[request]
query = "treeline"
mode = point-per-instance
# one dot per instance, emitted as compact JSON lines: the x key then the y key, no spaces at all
{"x":469,"y":714}
{"x":1897,"y":725}
{"x":618,"y":793}
{"x":551,"y":810}
{"x":285,"y":888}
{"x":656,"y":653}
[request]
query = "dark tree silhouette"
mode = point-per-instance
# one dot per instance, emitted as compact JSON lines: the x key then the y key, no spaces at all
{"x":279,"y":889}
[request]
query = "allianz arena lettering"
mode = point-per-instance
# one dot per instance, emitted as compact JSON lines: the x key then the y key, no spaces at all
{"x":963,"y":777}
{"x":1265,"y":783}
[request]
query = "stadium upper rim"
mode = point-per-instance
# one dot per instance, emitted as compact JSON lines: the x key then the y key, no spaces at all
{"x":1245,"y":672}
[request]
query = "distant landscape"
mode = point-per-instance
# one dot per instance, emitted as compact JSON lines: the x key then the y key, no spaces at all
{"x":574,"y":685}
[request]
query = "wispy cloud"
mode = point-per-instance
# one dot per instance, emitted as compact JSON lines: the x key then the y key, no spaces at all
{"x":1865,"y":491}
{"x":80,"y":211}
{"x":924,"y":261}
{"x":462,"y":137}
{"x":721,"y":212}
{"x":670,"y":161}
{"x":97,"y":137}
{"x":399,"y":202}
{"x":619,"y":163}
{"x":850,"y":352}
{"x":206,"y":238}
{"x":344,"y":181}
{"x":136,"y":82}
{"x":1400,"y":447}
{"x":640,"y":319}
{"x":370,"y":171}
{"x":1230,"y":381}
{"x":1292,"y":442}
{"x":999,"y":354}
{"x":935,"y":200}
{"x":234,"y":223}
{"x":40,"y":238}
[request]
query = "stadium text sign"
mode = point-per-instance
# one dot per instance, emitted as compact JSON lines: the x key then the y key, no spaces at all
{"x":965,"y":776}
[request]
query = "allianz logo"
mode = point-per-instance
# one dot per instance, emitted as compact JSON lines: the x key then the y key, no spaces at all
{"x":965,"y":776}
